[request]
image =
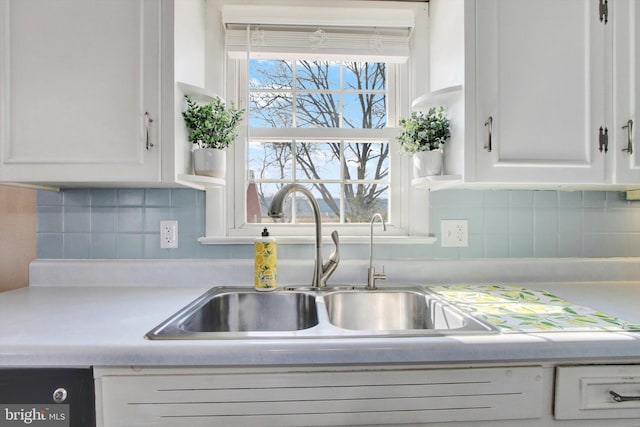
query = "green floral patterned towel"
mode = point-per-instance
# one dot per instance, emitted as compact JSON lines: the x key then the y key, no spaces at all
{"x":518,"y":309}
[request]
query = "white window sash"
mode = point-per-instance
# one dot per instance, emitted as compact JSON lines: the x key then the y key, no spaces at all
{"x":238,"y":227}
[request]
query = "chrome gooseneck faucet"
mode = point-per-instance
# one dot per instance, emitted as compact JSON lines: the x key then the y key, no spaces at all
{"x":321,"y":273}
{"x":372,"y":276}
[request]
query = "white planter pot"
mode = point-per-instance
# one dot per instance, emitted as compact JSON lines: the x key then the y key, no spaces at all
{"x":427,"y":163}
{"x":210,"y":162}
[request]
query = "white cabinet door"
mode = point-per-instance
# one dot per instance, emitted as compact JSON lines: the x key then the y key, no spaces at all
{"x":77,"y":78}
{"x":322,"y":396}
{"x":540,"y":71}
{"x":626,"y":19}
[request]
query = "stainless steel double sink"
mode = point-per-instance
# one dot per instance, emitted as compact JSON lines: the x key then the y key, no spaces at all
{"x":242,"y":313}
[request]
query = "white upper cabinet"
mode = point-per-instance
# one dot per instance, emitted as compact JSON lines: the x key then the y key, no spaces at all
{"x":80,"y":91}
{"x":540,"y":92}
{"x":626,"y":24}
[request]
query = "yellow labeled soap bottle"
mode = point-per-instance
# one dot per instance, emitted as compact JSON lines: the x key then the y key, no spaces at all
{"x":266,"y":251}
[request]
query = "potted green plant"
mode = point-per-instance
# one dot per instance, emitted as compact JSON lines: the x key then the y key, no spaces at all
{"x":423,"y":135}
{"x":212,"y":128}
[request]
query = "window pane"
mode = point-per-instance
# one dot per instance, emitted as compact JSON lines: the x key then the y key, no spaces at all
{"x":364,"y":76}
{"x":328,"y":198}
{"x":364,"y":200}
{"x":316,"y":160}
{"x":320,"y":99}
{"x":271,"y":110}
{"x":364,"y":111}
{"x":271,"y":160}
{"x":317,"y":75}
{"x":366,"y":160}
{"x":270,"y":74}
{"x":264,"y":193}
{"x":317,"y":110}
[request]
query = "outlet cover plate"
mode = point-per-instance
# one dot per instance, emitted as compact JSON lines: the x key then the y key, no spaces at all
{"x":168,"y":234}
{"x":454,"y":233}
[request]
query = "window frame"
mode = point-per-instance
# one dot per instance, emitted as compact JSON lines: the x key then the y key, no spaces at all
{"x":398,"y":226}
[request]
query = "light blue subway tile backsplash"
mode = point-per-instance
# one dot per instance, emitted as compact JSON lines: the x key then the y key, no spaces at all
{"x":157,"y":197}
{"x":104,"y":246}
{"x":545,"y":199}
{"x":570,"y":199}
{"x":76,"y":245}
{"x":49,"y":219}
{"x":496,"y":199}
{"x":125,"y":224}
{"x":131,"y":197}
{"x":130,"y":219}
{"x":49,"y":245}
{"x":129,"y":245}
{"x":76,"y":197}
{"x":521,"y":245}
{"x":77,"y":219}
{"x":104,"y":219}
{"x":104,"y":197}
{"x":521,"y":199}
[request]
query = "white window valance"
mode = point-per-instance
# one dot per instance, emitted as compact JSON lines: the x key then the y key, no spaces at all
{"x":325,"y":33}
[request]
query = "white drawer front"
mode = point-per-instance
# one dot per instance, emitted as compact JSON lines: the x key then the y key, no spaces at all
{"x":584,"y":392}
{"x":349,"y":397}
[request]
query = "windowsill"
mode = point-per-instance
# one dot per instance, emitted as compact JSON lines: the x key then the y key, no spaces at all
{"x":303,"y":240}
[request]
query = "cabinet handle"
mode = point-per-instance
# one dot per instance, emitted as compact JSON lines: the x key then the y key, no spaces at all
{"x":489,"y":124}
{"x":629,"y":128}
{"x":147,"y":124}
{"x":620,"y":398}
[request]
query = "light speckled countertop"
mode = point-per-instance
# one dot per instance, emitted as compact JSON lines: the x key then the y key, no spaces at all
{"x":70,"y":323}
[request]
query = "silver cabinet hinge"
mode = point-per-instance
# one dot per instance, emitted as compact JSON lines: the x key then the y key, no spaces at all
{"x":604,"y":11}
{"x":603,"y":139}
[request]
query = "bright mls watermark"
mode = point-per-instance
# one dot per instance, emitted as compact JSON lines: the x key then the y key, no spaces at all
{"x":34,"y":415}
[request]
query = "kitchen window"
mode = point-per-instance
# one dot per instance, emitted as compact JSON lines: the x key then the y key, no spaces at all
{"x":292,"y":105}
{"x":322,"y":105}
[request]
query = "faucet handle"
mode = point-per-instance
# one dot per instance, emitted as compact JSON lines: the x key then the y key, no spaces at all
{"x":332,"y":263}
{"x":335,"y":255}
{"x":372,"y":276}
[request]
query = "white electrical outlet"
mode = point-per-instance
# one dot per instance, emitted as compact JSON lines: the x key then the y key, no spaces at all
{"x":454,"y":233}
{"x":168,"y":234}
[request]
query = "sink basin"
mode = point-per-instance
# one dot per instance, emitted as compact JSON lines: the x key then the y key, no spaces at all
{"x":235,"y":313}
{"x":390,"y":311}
{"x":244,"y":311}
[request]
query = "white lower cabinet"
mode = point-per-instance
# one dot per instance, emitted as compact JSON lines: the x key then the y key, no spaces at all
{"x":598,"y":392}
{"x":315,"y":396}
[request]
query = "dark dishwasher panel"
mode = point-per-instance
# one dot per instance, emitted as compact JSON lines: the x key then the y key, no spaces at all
{"x":28,"y":388}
